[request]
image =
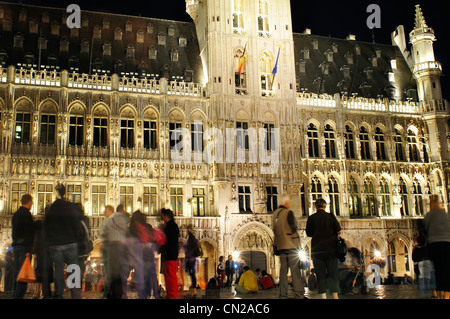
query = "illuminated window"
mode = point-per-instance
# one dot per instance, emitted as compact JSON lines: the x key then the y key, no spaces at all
{"x":414,"y":155}
{"x":385,"y":197}
{"x":150,"y":135}
{"x":354,"y":199}
{"x":404,"y":209}
{"x":369,"y":192}
{"x":127,"y":198}
{"x":17,"y":191}
{"x":44,"y":196}
{"x":399,"y":146}
{"x":76,"y":130}
{"x":98,"y":199}
{"x":74,"y":193}
{"x":365,"y":145}
{"x":238,"y":15}
{"x":330,"y":141}
{"x":418,"y":198}
{"x":176,"y":200}
{"x":313,"y":141}
{"x":349,"y":143}
{"x":23,"y":128}
{"x":244,"y":199}
{"x":127,"y":133}
{"x":150,"y":203}
{"x":380,"y":144}
{"x":333,"y":192}
{"x":263,"y":17}
{"x":198,"y":202}
{"x":100,"y":131}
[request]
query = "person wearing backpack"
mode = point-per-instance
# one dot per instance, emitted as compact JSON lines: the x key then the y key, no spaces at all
{"x":287,"y":242}
{"x":324,"y":229}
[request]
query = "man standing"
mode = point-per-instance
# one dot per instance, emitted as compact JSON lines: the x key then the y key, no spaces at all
{"x":63,"y":229}
{"x":23,"y":239}
{"x":324,"y":229}
{"x":287,"y":241}
{"x":109,"y":210}
{"x":169,"y":253}
{"x":114,"y":232}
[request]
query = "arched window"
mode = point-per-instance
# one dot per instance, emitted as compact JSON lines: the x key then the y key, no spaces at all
{"x":404,"y":209}
{"x":333,"y":192}
{"x":127,"y":123}
{"x":418,"y":198}
{"x":313,"y":141}
{"x":380,"y":144}
{"x":330,"y":141}
{"x":392,"y":263}
{"x":349,"y":143}
{"x":101,"y":116}
{"x":354,"y":200}
{"x":316,"y":189}
{"x":385,"y":197}
{"x":48,"y":125}
{"x":369,"y":192}
{"x":399,"y":145}
{"x":150,"y":130}
{"x":265,"y":69}
{"x":76,"y":125}
{"x":365,"y":144}
{"x":414,"y":155}
{"x":23,"y":123}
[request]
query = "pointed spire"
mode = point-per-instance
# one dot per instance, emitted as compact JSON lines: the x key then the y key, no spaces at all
{"x":420,"y":19}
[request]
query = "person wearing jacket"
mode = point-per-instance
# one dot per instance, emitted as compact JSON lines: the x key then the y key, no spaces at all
{"x":169,"y":253}
{"x":324,"y":229}
{"x":22,"y":241}
{"x":287,"y":241}
{"x":62,"y":227}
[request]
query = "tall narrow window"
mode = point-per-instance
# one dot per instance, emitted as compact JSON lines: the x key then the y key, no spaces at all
{"x":98,"y":199}
{"x":354,"y":200}
{"x":392,"y":263}
{"x":349,"y":143}
{"x":269,"y":140}
{"x":418,"y":198}
{"x":313,"y":141}
{"x":266,"y":69}
{"x":414,"y":155}
{"x":316,"y":189}
{"x":175,"y":135}
{"x":127,"y":133}
{"x":127,"y":198}
{"x":385,"y":198}
{"x":150,"y":135}
{"x":242,"y":135}
{"x":48,"y":128}
{"x":76,"y":130}
{"x":365,"y":144}
{"x":197,"y":136}
{"x":404,"y":209}
{"x":23,"y":128}
{"x":333,"y":193}
{"x":263,"y":17}
{"x":399,"y":146}
{"x":244,"y":199}
{"x":176,"y":200}
{"x":150,"y":200}
{"x":426,"y":158}
{"x":330,"y":142}
{"x":238,"y":15}
{"x":198,"y":201}
{"x":272,"y":198}
{"x":100,"y":131}
{"x":303,"y":201}
{"x":369,"y":192}
{"x":380,"y":144}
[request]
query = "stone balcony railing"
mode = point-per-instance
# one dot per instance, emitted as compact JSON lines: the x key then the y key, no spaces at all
{"x":357,"y":103}
{"x":99,"y":82}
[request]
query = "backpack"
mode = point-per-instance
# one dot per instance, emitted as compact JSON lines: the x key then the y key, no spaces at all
{"x":145,"y":234}
{"x":86,"y":245}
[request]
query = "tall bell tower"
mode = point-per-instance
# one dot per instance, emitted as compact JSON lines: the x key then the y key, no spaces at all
{"x":261,"y":28}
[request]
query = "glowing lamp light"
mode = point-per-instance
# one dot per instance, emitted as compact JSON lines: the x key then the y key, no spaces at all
{"x":377,"y":254}
{"x":235,"y":255}
{"x":302,"y":255}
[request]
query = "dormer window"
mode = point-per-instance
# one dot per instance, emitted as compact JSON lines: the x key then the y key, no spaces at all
{"x":97,"y":32}
{"x":106,"y":24}
{"x":18,"y":41}
{"x":161,"y":39}
{"x":345,"y":71}
{"x":149,"y":28}
{"x":140,"y":36}
{"x":329,"y":55}
{"x":374,"y":61}
{"x":84,"y":22}
{"x":182,"y":42}
{"x":171,"y":31}
{"x":118,"y":34}
{"x":324,"y":67}
{"x":54,"y":30}
{"x":335,"y":48}
{"x":107,"y":49}
{"x":305,"y":53}
{"x":349,"y":58}
{"x":130,"y":51}
{"x":33,"y":25}
{"x":45,"y":17}
{"x":7,"y":24}
{"x":22,"y":15}
{"x":64,"y":45}
{"x":315,"y":44}
{"x":128,"y":26}
{"x":85,"y":46}
{"x":174,"y":56}
{"x":152,"y":53}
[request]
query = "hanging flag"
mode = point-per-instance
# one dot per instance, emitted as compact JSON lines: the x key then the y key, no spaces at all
{"x":275,"y":69}
{"x":241,"y":63}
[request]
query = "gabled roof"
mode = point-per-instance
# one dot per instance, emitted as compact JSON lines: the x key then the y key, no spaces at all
{"x":149,"y":28}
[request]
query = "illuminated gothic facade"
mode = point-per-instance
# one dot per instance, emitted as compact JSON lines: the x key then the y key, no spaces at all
{"x":363,"y":125}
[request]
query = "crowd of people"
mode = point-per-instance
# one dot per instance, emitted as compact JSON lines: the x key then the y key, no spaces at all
{"x":130,"y":245}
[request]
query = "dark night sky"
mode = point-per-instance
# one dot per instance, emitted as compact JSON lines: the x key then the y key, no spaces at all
{"x":326,"y":18}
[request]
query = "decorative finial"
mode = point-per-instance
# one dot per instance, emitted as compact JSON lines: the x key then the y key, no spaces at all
{"x":420,"y":19}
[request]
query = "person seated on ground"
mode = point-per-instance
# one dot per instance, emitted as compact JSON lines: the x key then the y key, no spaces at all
{"x":266,"y":281}
{"x":248,"y":282}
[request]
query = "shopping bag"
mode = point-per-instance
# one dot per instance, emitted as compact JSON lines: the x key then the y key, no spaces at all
{"x":26,"y":273}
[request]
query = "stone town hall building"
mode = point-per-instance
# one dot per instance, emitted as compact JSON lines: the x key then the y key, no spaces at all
{"x":363,"y":125}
